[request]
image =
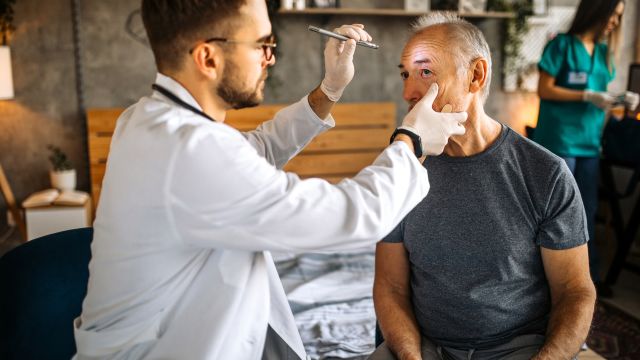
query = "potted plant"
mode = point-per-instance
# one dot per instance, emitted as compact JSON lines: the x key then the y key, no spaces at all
{"x":514,"y":30}
{"x":63,"y":175}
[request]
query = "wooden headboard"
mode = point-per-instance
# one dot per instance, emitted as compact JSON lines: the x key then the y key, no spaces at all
{"x":362,"y":131}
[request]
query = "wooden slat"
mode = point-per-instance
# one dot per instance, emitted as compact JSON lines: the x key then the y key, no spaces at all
{"x":98,"y":148}
{"x":322,"y":165}
{"x":362,"y":131}
{"x":95,"y":193}
{"x":100,"y":126}
{"x":250,"y":118}
{"x":369,"y":115}
{"x":97,"y":174}
{"x":347,"y":139}
{"x":365,"y":114}
{"x":102,"y":120}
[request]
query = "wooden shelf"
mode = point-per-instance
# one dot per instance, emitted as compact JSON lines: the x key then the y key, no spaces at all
{"x":387,"y":12}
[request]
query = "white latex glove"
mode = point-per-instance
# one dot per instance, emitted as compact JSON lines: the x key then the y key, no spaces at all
{"x":434,"y":128}
{"x":338,"y":60}
{"x":631,"y":99}
{"x":600,"y":99}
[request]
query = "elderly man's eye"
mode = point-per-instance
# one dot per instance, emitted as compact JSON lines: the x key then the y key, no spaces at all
{"x":404,"y":75}
{"x":425,"y":72}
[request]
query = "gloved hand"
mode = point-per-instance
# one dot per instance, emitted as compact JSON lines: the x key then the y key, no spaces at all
{"x":631,"y":100}
{"x":600,"y":99}
{"x":338,"y":60}
{"x":434,"y":128}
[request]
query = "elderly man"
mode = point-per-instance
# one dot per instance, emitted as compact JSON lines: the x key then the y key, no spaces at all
{"x":493,"y":263}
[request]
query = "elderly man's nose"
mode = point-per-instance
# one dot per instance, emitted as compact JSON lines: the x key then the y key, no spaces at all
{"x":412,"y":92}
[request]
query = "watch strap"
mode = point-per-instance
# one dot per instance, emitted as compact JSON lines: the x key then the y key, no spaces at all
{"x":415,"y":140}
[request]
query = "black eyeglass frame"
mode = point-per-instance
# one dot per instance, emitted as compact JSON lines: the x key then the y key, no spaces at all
{"x":268,"y":45}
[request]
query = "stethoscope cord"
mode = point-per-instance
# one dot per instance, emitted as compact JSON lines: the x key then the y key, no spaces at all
{"x":173,"y":97}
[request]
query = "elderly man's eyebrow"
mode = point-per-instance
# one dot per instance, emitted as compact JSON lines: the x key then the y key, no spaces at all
{"x":419,"y":61}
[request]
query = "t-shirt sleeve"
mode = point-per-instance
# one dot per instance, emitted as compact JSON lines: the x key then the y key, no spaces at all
{"x":396,"y":235}
{"x":564,"y":224}
{"x":553,"y":55}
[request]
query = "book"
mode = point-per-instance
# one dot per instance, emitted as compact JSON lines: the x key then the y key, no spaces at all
{"x":54,"y":197}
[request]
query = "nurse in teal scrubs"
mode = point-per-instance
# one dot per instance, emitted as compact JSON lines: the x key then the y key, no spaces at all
{"x":575,"y":70}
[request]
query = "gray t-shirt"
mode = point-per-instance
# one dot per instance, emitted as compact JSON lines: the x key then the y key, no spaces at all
{"x":477,"y":278}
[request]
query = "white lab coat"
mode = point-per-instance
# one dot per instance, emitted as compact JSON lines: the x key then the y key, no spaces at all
{"x":189,"y":210}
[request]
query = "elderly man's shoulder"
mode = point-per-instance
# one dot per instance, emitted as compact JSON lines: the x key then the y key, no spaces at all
{"x":531,"y":154}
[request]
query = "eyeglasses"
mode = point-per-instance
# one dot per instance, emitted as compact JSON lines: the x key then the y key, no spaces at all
{"x":268,"y":45}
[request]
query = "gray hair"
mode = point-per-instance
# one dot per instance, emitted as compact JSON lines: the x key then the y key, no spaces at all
{"x":467,"y":37}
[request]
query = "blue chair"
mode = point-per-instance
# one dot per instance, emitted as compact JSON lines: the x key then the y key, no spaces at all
{"x":42,"y":285}
{"x":379,"y":338}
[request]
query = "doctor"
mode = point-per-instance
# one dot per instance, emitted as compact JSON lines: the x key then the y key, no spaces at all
{"x":190,"y":207}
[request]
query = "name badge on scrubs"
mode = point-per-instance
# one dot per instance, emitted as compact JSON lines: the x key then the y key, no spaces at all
{"x":577,"y":78}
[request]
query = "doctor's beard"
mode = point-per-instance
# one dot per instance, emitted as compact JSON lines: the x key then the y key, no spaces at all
{"x":236,"y":95}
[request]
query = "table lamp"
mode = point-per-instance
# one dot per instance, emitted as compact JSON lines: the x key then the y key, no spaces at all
{"x":6,"y":77}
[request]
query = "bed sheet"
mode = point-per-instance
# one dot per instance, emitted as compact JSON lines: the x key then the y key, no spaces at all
{"x":331,"y":299}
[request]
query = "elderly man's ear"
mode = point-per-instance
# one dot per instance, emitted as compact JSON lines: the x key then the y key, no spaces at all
{"x":478,"y":75}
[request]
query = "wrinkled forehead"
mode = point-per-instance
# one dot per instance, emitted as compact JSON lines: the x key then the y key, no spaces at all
{"x":428,"y":46}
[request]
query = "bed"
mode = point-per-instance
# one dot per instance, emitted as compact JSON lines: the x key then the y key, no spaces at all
{"x":331,"y":299}
{"x":330,"y":294}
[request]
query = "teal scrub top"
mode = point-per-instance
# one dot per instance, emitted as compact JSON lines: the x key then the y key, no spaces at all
{"x":573,"y":128}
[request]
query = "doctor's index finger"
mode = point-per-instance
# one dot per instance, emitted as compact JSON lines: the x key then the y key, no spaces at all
{"x":355,"y":31}
{"x":428,"y":98}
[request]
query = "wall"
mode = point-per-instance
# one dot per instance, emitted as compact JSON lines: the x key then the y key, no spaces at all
{"x":44,"y":110}
{"x":117,"y":70}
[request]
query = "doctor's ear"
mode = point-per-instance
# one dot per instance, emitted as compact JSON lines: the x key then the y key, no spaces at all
{"x":207,"y":59}
{"x":478,"y":74}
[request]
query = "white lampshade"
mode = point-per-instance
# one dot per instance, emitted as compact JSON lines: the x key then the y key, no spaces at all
{"x":6,"y":77}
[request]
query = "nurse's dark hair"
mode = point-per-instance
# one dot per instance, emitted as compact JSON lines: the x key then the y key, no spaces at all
{"x":174,"y":26}
{"x":593,"y":15}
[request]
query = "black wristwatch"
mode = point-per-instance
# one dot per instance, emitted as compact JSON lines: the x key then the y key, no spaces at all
{"x":415,"y":139}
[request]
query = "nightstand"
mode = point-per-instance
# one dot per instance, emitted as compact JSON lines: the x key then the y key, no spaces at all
{"x":45,"y":220}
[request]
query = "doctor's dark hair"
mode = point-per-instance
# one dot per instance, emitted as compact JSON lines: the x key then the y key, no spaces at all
{"x":174,"y":26}
{"x":593,"y":15}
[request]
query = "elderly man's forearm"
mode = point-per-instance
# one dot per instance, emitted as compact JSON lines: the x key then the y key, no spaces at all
{"x":568,"y":326}
{"x":399,"y":326}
